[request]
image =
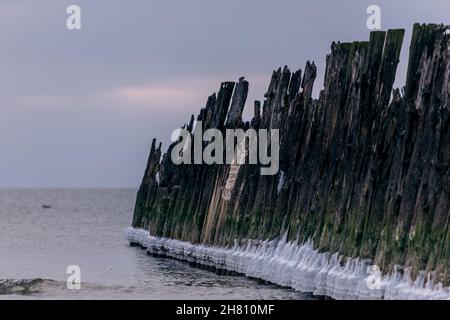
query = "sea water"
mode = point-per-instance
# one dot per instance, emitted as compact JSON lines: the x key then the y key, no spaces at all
{"x":84,"y":227}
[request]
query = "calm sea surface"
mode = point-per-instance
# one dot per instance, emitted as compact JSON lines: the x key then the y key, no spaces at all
{"x":85,"y":227}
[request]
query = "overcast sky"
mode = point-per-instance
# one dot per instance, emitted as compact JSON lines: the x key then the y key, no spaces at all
{"x":79,"y":108}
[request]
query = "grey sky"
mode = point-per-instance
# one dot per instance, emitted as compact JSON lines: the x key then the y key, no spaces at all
{"x":79,"y":108}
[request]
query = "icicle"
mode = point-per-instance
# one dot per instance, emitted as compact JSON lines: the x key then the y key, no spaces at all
{"x":298,"y":266}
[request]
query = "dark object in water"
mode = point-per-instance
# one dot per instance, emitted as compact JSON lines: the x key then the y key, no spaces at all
{"x":46,"y":206}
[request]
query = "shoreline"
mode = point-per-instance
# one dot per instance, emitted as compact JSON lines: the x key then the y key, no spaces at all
{"x":299,"y":267}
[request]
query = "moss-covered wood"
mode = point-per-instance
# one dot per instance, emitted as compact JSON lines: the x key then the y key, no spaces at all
{"x":366,"y":168}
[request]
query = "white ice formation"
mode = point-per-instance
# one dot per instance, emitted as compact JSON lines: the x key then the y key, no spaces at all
{"x":300,"y":267}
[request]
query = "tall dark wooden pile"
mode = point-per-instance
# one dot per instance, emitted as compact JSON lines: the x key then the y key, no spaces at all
{"x":366,"y":167}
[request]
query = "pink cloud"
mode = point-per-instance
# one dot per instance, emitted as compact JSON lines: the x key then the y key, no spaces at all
{"x":160,"y":95}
